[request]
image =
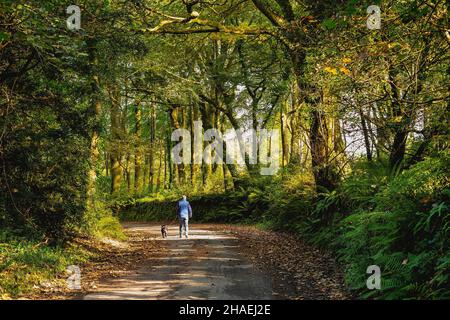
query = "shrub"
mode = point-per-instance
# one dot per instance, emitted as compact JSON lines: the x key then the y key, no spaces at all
{"x":406,"y":234}
{"x":100,"y":222}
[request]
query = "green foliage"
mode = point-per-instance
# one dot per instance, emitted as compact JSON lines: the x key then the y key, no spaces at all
{"x":45,"y":141}
{"x":329,"y":24}
{"x":406,"y":234}
{"x":100,"y":222}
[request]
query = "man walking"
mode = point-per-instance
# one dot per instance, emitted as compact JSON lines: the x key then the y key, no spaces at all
{"x":184,"y":212}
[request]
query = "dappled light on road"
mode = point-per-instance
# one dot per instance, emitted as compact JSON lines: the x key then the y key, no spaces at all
{"x":207,"y":265}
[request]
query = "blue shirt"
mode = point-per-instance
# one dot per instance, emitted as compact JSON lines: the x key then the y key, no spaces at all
{"x":184,"y":209}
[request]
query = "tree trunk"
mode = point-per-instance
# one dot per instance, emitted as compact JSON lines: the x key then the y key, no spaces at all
{"x":398,"y":147}
{"x":206,"y":116}
{"x":365,"y":134}
{"x":295,"y":151}
{"x":179,"y":168}
{"x":193,"y":116}
{"x":137,"y":149}
{"x":115,"y":156}
{"x":145,"y":173}
{"x":128,"y":172}
{"x":158,"y":182}
{"x":169,"y":153}
{"x":318,"y":134}
{"x":95,"y":136}
{"x":319,"y":154}
{"x":152,"y":148}
{"x":116,"y":174}
{"x":284,"y":144}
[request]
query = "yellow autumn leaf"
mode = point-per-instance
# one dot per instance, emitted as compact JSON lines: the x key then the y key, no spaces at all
{"x":345,"y":70}
{"x":331,"y":70}
{"x":346,"y":60}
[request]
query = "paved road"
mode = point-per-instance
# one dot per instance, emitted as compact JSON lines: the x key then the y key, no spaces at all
{"x":208,"y":265}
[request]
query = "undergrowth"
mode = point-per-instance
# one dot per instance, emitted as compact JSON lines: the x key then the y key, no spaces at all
{"x":26,"y":265}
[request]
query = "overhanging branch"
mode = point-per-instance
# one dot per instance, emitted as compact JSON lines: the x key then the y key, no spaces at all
{"x":205,"y":26}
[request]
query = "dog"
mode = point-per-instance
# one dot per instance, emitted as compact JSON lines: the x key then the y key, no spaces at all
{"x":164,"y":231}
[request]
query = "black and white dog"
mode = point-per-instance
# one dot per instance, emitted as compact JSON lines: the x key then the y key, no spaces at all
{"x":164,"y":231}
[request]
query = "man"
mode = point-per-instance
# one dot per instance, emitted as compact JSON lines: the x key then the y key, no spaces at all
{"x":184,"y":212}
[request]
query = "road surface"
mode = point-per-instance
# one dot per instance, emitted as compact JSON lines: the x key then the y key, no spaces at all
{"x":208,"y":265}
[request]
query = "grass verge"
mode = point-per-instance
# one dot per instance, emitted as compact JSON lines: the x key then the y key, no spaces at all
{"x":26,"y":266}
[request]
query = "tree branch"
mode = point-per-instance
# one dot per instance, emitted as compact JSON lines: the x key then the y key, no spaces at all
{"x":210,"y":27}
{"x":274,"y":18}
